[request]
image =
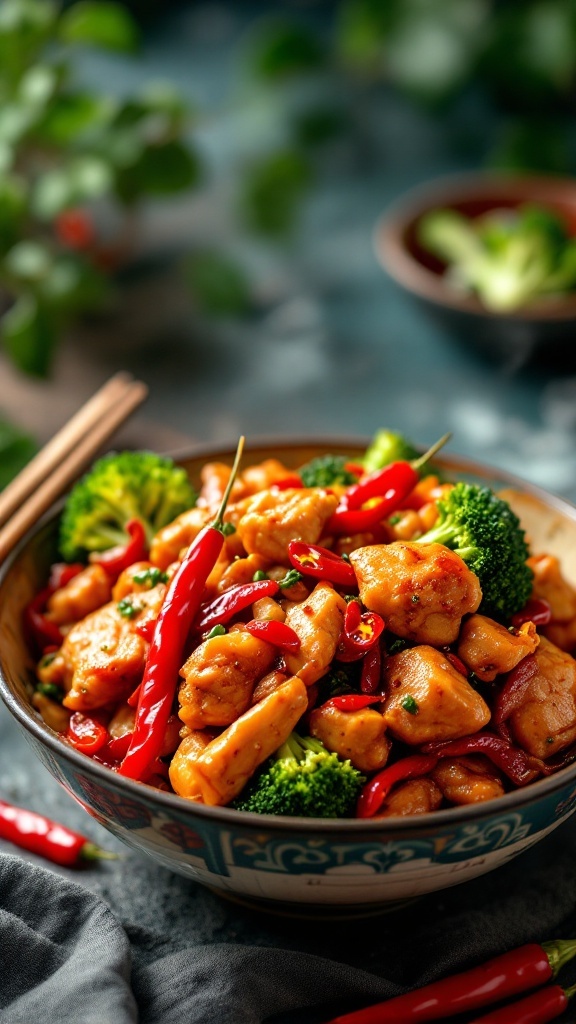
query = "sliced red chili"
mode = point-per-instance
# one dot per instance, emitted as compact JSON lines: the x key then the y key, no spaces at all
{"x":537,"y":610}
{"x":146,"y":629}
{"x":515,"y":763}
{"x":513,"y":691}
{"x":62,"y":572}
{"x":293,"y":482}
{"x":277,"y":633}
{"x":40,"y":630}
{"x":374,"y":793}
{"x":134,"y":697}
{"x":118,"y":746}
{"x":393,"y":483}
{"x":115,"y":560}
{"x":352,"y":701}
{"x":86,"y":734}
{"x":457,"y":663}
{"x":361,"y":632}
{"x":371,"y":673}
{"x":349,"y":521}
{"x":232,"y":601}
{"x":322,"y":564}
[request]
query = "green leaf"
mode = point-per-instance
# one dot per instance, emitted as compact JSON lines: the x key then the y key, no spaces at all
{"x":274,"y":190}
{"x":100,"y":23}
{"x":28,"y":261}
{"x":25,"y":26}
{"x":28,"y":335}
{"x":12,"y":209}
{"x":282,"y":49}
{"x":84,"y":179}
{"x":73,"y":285}
{"x":16,"y":449}
{"x":69,"y":116}
{"x":38,"y":85}
{"x":160,"y":170}
{"x":219,"y":285}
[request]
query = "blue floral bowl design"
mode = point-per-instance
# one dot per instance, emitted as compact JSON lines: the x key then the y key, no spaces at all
{"x":342,"y":865}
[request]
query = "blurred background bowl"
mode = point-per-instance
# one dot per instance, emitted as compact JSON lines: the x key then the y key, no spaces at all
{"x":350,"y":866}
{"x":546,"y":330}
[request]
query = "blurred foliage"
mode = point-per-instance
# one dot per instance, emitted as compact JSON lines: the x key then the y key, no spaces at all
{"x":218,"y":284}
{"x":64,"y":151}
{"x":16,"y":449}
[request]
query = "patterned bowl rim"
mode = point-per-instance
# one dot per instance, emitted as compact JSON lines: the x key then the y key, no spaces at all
{"x":428,"y":822}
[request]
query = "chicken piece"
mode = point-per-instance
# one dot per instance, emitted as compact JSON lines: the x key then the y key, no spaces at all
{"x":240,"y":571}
{"x":421,"y":590}
{"x":223,"y":768}
{"x":126,"y":584}
{"x":550,"y":585}
{"x":405,"y":525}
{"x":562,"y":634}
{"x":274,"y":518}
{"x":100,"y":662}
{"x":297,"y":592}
{"x":417,"y":796}
{"x":181,"y":770}
{"x":264,"y":475}
{"x":142,"y":606}
{"x":214,"y":477}
{"x":318,"y":622}
{"x":467,"y":780}
{"x":489,"y":649}
{"x":359,"y":736}
{"x":169,"y":541}
{"x":220,"y":676}
{"x":428,"y":699}
{"x":270,"y":682}
{"x":55,"y":716}
{"x":86,"y":592}
{"x":546,"y":721}
{"x":267,"y":609}
{"x":122,"y":723}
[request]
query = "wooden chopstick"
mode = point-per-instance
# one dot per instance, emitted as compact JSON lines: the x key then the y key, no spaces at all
{"x":65,"y":456}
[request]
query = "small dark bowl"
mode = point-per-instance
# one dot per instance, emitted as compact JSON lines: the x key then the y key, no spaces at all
{"x":543,"y":331}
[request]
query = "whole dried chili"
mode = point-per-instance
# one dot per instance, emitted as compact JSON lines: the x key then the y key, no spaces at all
{"x":390,"y":485}
{"x":374,"y":793}
{"x":115,"y":560}
{"x":371,"y":672}
{"x":513,"y":691}
{"x":361,"y":632}
{"x":504,"y":976}
{"x":351,"y":701}
{"x":40,"y":835}
{"x":278,"y":633}
{"x":537,"y":610}
{"x":178,"y":611}
{"x":537,"y":1008}
{"x":515,"y":763}
{"x":232,"y":601}
{"x":86,"y":733}
{"x":322,"y":564}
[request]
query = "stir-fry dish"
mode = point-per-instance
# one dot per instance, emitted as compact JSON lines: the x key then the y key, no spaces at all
{"x":351,"y":639}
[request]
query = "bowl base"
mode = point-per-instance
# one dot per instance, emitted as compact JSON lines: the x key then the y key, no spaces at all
{"x":312,"y":911}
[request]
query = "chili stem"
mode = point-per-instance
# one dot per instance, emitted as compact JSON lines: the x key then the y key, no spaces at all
{"x":218,"y":522}
{"x":423,"y":459}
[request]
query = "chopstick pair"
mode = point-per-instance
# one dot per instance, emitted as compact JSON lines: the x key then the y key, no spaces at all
{"x":63,"y":458}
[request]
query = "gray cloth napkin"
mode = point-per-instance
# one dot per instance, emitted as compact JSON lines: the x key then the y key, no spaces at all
{"x":67,"y":958}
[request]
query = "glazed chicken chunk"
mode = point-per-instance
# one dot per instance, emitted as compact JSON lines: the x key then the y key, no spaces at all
{"x":274,"y":518}
{"x":359,"y":736}
{"x":546,"y":721}
{"x":422,"y":591}
{"x":171,"y":539}
{"x":427,"y":699}
{"x":418,"y":796}
{"x":549,"y":584}
{"x":83,"y":594}
{"x":467,"y":780}
{"x":489,"y":649}
{"x":318,"y":623}
{"x":219,"y":677}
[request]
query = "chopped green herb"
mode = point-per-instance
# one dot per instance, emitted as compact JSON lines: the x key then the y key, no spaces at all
{"x":259,"y":575}
{"x":47,"y":659}
{"x":549,"y":739}
{"x":290,"y":579}
{"x":218,"y":630}
{"x":396,"y":518}
{"x":150,"y":577}
{"x":397,"y":646}
{"x":410,"y":705}
{"x":128,"y":609}
{"x":228,"y":529}
{"x":327,"y":470}
{"x":345,"y":558}
{"x":351,"y":597}
{"x":52,"y":691}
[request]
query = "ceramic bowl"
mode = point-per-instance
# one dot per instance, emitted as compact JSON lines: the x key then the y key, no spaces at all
{"x":544,"y":331}
{"x":344,"y":866}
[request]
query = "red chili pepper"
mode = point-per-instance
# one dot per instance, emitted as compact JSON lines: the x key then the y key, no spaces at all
{"x":178,"y":611}
{"x":537,"y":1008}
{"x":277,"y":633}
{"x":117,"y":747}
{"x":516,"y":764}
{"x":537,"y":610}
{"x":42,"y":632}
{"x":62,"y":572}
{"x":513,"y":691}
{"x":349,"y":521}
{"x":146,"y":629}
{"x":352,"y":701}
{"x":500,"y":978}
{"x":288,"y":483}
{"x":360,"y":633}
{"x":86,"y":734}
{"x":374,"y":793}
{"x":134,"y":697}
{"x":115,"y":560}
{"x":457,"y":663}
{"x":356,"y":468}
{"x":371,"y":673}
{"x":40,"y":835}
{"x":322,"y":564}
{"x":232,"y":601}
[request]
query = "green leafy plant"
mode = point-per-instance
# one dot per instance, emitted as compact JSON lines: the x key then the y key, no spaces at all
{"x":16,"y":449}
{"x":64,"y":151}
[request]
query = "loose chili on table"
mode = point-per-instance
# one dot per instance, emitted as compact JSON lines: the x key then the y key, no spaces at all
{"x":537,"y":1008}
{"x":115,"y":560}
{"x":320,"y":563}
{"x":278,"y":633}
{"x":374,"y":793}
{"x":504,"y":976}
{"x":38,"y":834}
{"x":178,"y":611}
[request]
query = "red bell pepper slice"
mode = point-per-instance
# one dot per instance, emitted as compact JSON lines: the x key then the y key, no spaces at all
{"x":115,"y":560}
{"x":374,"y":793}
{"x":361,"y":632}
{"x":86,"y":734}
{"x":278,"y":633}
{"x":322,"y":564}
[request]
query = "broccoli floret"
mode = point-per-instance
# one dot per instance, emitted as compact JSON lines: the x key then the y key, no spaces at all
{"x":303,"y":779}
{"x":387,"y":447}
{"x":327,"y":470}
{"x":119,"y":487}
{"x":482,"y":528}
